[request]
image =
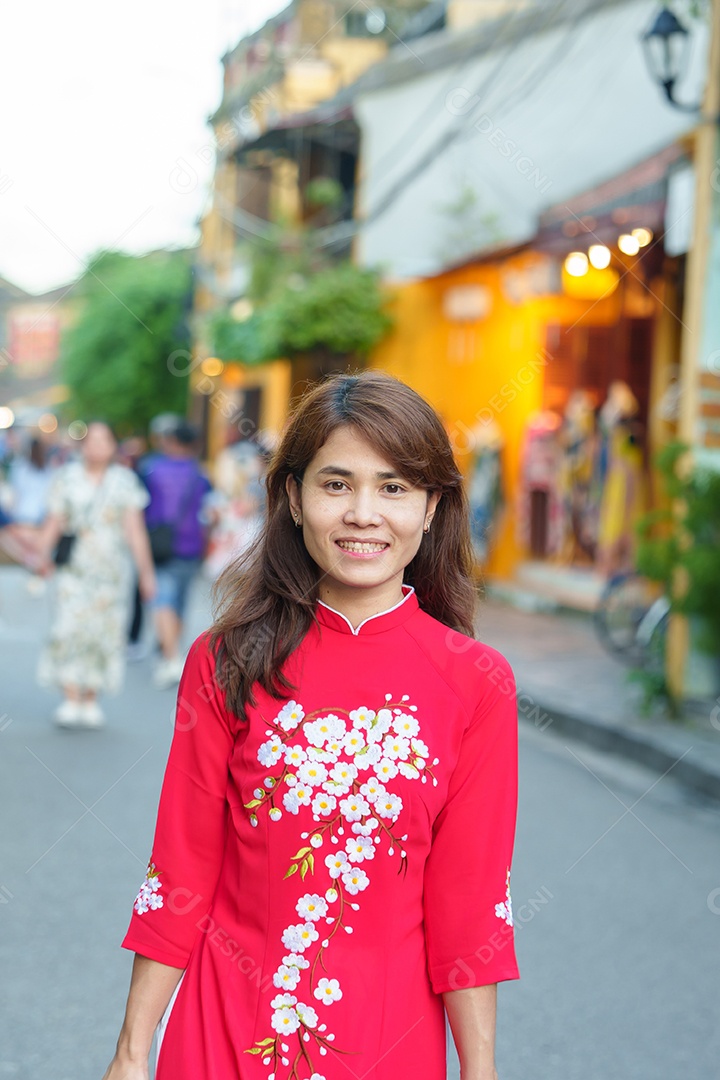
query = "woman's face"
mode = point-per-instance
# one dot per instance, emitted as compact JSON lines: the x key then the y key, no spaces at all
{"x":362,"y":523}
{"x":98,"y":446}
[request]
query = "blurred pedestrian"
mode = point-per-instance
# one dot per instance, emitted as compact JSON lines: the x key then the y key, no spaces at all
{"x":131,"y":453}
{"x":159,"y":428}
{"x":177,"y":488}
{"x":96,"y":521}
{"x":235,"y":508}
{"x":29,"y":479}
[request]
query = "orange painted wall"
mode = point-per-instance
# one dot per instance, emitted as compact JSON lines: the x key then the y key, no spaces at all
{"x":493,"y":366}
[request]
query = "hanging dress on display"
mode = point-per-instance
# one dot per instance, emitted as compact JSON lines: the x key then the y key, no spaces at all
{"x":541,"y":510}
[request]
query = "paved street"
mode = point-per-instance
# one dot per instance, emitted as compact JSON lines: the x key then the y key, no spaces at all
{"x":616,"y":890}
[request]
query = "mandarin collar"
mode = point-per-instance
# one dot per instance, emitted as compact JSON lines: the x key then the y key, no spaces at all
{"x":374,"y":624}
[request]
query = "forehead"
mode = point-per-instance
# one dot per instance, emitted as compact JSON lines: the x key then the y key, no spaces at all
{"x":99,"y":433}
{"x":348,"y":449}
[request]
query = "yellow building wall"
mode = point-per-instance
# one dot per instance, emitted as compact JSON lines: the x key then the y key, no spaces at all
{"x":492,"y":367}
{"x":222,"y":392}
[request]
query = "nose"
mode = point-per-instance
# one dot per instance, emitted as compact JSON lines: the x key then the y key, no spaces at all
{"x":363,"y":510}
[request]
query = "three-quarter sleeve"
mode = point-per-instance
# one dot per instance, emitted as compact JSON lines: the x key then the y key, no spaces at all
{"x":135,"y":495}
{"x":468,"y":913}
{"x":192,"y":820}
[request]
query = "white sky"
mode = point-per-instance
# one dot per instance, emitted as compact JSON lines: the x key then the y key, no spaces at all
{"x":99,"y":104}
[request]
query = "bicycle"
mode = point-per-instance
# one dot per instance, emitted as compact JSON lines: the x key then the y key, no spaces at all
{"x":631,"y":621}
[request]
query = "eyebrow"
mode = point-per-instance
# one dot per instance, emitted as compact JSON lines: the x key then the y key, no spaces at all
{"x":337,"y":470}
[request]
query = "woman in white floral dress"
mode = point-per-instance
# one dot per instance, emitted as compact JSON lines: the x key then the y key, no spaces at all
{"x":101,"y":504}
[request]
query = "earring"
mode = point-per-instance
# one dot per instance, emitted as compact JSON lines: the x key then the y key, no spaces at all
{"x":298,"y":523}
{"x":427,"y":527}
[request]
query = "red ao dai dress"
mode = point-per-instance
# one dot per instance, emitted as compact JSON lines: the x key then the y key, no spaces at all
{"x":325,"y":871}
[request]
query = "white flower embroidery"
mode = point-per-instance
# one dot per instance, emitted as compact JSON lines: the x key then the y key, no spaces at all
{"x":323,"y":804}
{"x":297,"y":796}
{"x":372,"y":789}
{"x":504,"y":910}
{"x":307,"y":1015}
{"x":336,"y":863}
{"x":354,"y":807}
{"x":321,"y":758}
{"x":355,"y":880}
{"x":270,"y":751}
{"x":406,"y":725}
{"x":287,"y":978}
{"x":312,"y":772}
{"x":368,"y":757}
{"x":285,"y":1021}
{"x":395,"y":746}
{"x":379,"y":726}
{"x":149,"y":898}
{"x":295,"y":755}
{"x":290,"y":716}
{"x":297,"y":938}
{"x":312,"y":907}
{"x":281,"y":1001}
{"x":325,"y":727}
{"x":362,"y":717}
{"x":354,"y":741}
{"x":420,"y":748}
{"x":365,"y":828}
{"x":333,"y":749}
{"x":296,"y":960}
{"x":328,"y":991}
{"x":360,"y":848}
{"x":343,"y":774}
{"x":389,"y":806}
{"x":410,"y":771}
{"x":386,"y":769}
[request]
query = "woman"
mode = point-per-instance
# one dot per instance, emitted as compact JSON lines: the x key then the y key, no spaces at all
{"x":29,"y":479}
{"x":331,"y":858}
{"x":100,"y":504}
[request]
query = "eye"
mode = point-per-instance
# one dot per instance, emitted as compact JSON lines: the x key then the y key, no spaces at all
{"x":335,"y":485}
{"x":394,"y":489}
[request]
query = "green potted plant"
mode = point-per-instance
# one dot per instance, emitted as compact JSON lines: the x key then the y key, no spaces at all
{"x":680,"y":548}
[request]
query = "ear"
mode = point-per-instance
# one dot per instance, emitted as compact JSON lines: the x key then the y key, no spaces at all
{"x":293,"y":491}
{"x":433,"y":499}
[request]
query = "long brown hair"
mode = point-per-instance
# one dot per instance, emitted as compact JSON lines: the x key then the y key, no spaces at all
{"x":266,"y":600}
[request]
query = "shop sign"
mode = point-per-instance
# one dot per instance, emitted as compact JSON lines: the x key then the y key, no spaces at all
{"x":524,"y":283}
{"x":467,"y":303}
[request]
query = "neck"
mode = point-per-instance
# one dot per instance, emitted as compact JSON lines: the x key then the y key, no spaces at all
{"x":95,"y":469}
{"x":358,"y":604}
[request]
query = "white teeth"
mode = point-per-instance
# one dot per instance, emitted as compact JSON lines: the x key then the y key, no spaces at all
{"x":360,"y":548}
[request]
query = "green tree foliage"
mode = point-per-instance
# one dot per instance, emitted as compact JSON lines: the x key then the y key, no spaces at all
{"x":133,"y":316}
{"x":681,"y":547}
{"x":305,"y":301}
{"x":338,"y":311}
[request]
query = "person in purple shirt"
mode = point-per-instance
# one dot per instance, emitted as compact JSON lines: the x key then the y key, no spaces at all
{"x":178,"y":488}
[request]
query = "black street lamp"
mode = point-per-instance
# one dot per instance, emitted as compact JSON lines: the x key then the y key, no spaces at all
{"x":667,"y":46}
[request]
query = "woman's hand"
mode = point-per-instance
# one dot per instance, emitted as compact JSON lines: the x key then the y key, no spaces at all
{"x":120,"y":1069}
{"x":147,"y":584}
{"x":151,"y":988}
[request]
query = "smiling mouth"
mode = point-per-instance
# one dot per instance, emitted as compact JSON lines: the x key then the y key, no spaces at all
{"x":361,"y":547}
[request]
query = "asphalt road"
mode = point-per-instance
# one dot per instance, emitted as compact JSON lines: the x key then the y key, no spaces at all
{"x":616,"y":890}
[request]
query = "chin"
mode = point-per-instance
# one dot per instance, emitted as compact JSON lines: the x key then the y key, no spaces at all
{"x":366,"y":581}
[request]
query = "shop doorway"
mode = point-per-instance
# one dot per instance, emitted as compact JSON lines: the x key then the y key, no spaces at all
{"x":592,"y":357}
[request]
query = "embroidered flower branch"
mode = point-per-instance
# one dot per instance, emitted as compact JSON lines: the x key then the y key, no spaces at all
{"x":337,"y":767}
{"x":504,"y":910}
{"x":149,"y":897}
